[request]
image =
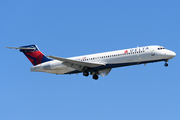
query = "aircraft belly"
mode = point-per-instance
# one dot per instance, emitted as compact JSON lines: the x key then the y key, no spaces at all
{"x":56,"y":67}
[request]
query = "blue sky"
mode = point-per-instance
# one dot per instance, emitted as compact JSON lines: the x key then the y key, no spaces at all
{"x":70,"y":28}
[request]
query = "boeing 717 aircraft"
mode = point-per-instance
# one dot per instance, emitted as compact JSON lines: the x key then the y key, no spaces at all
{"x":95,"y":64}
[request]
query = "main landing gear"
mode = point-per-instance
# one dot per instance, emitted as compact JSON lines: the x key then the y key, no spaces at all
{"x":95,"y":76}
{"x":85,"y":73}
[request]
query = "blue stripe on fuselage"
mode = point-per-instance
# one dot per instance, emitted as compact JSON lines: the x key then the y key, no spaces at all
{"x":115,"y":65}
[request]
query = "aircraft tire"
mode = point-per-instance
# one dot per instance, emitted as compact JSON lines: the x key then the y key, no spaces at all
{"x":95,"y":77}
{"x":166,"y":64}
{"x":85,"y":73}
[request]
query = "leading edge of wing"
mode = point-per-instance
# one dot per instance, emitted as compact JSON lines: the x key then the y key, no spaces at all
{"x":80,"y":63}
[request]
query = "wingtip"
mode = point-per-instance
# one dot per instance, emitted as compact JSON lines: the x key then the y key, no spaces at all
{"x":49,"y":56}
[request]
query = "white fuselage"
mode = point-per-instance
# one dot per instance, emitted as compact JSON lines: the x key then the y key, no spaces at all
{"x":119,"y":58}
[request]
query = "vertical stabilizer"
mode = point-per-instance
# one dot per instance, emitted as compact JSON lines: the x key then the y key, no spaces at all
{"x":34,"y":55}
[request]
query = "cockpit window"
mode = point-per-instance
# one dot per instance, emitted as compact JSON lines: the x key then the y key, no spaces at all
{"x":160,"y":48}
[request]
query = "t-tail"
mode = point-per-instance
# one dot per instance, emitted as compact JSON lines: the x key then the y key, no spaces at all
{"x":32,"y":52}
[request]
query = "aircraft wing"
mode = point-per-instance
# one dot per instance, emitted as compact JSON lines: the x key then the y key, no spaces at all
{"x":78,"y":65}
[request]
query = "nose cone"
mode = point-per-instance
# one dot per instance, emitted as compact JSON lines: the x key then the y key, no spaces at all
{"x":171,"y":54}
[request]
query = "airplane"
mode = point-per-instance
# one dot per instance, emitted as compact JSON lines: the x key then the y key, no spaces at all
{"x":95,"y":64}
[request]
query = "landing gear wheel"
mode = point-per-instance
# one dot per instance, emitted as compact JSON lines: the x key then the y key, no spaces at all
{"x":165,"y":64}
{"x":85,"y":73}
{"x":95,"y":77}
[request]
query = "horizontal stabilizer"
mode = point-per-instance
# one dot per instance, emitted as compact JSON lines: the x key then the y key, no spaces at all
{"x":21,"y":48}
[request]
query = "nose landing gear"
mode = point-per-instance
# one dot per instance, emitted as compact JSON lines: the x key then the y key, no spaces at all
{"x":165,"y":64}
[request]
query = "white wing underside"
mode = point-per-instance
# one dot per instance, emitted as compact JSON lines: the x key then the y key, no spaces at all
{"x":78,"y":65}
